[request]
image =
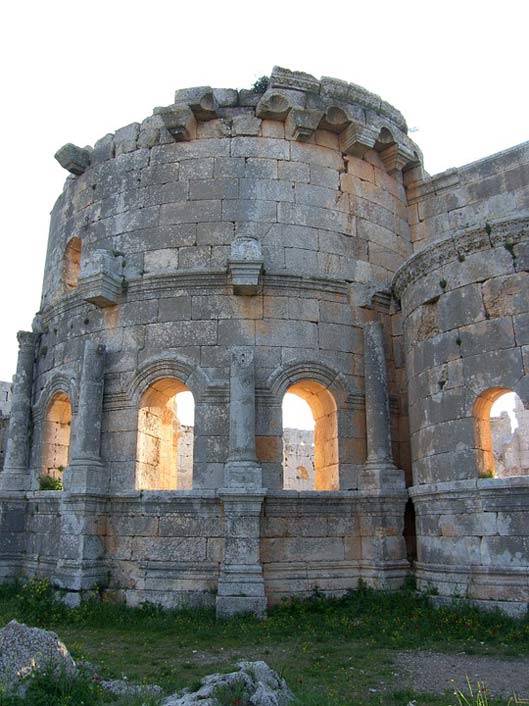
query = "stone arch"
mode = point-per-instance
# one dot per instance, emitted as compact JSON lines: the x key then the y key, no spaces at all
{"x":55,"y":448}
{"x":168,"y":366}
{"x":326,"y":392}
{"x":502,"y":451}
{"x":325,"y":437}
{"x":71,"y":263}
{"x":177,"y":374}
{"x":160,"y":464}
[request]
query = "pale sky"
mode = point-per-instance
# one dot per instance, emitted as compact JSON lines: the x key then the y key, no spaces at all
{"x":74,"y":71}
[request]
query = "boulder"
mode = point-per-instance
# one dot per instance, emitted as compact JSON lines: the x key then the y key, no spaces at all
{"x":254,"y":683}
{"x":24,"y":649}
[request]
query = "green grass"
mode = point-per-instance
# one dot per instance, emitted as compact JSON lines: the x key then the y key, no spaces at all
{"x":331,"y":652}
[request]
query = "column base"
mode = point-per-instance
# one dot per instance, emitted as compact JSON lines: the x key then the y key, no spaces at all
{"x":16,"y":479}
{"x":381,"y":475}
{"x":243,"y":474}
{"x":241,"y":590}
{"x":85,"y":477}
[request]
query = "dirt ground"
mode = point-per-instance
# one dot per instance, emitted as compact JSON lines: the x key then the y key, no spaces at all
{"x":434,"y":672}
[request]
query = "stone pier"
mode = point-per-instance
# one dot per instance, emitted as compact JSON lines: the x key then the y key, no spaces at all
{"x":241,"y":584}
{"x":15,"y":475}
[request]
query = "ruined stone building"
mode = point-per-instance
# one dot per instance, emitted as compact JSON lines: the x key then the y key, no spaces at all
{"x":239,"y":245}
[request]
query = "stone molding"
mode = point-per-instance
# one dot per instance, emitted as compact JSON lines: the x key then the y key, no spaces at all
{"x":305,"y":369}
{"x":60,"y":381}
{"x":468,"y":488}
{"x":305,"y":104}
{"x":169,"y":365}
{"x":443,"y":251}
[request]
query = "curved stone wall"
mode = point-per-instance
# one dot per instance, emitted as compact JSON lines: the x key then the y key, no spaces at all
{"x":465,"y":302}
{"x":309,"y":175}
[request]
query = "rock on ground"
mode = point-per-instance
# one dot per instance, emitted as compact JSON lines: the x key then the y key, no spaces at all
{"x":262,"y":687}
{"x":24,"y":649}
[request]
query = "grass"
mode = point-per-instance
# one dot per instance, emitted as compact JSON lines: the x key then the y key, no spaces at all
{"x":331,"y":652}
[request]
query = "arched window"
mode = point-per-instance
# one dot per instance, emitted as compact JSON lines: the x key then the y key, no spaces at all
{"x":72,"y":263}
{"x":56,"y":440}
{"x":310,"y":438}
{"x":502,"y":434}
{"x":164,"y":455}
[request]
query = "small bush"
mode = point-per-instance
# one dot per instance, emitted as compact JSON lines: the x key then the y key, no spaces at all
{"x":261,"y":85}
{"x":50,"y":483}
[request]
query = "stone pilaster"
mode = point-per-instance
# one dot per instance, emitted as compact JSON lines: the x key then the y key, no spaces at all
{"x":85,"y":471}
{"x":15,"y":475}
{"x":379,"y":471}
{"x":241,"y":584}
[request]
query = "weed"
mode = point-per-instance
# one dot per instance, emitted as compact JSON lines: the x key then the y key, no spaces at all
{"x":50,"y":483}
{"x":235,"y":694}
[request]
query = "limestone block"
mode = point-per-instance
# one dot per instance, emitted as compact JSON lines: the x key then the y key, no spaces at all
{"x":246,"y":125}
{"x":101,"y":277}
{"x":229,"y":167}
{"x":190,"y":212}
{"x":510,"y":551}
{"x":248,"y":210}
{"x":179,"y":121}
{"x":125,"y":139}
{"x":507,"y":295}
{"x":267,"y":189}
{"x":245,"y":264}
{"x":266,"y":147}
{"x":226,"y":97}
{"x":296,"y":171}
{"x":260,"y":168}
{"x":493,"y":369}
{"x":74,"y":159}
{"x":204,"y":189}
{"x":301,"y":123}
{"x":297,"y":80}
{"x":201,"y":100}
{"x":521,"y":329}
{"x":181,"y":549}
{"x":460,"y":307}
{"x":316,"y":155}
{"x":273,"y":105}
{"x":484,"y":336}
{"x":201,"y":168}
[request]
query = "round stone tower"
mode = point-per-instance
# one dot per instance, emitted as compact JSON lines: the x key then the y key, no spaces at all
{"x":237,"y":246}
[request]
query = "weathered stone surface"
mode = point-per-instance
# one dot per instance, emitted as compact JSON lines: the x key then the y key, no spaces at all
{"x":24,"y":650}
{"x":263,"y":686}
{"x":311,"y":198}
{"x":74,"y":159}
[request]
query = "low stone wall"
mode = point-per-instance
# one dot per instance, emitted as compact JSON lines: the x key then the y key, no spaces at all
{"x":472,"y":540}
{"x":167,"y":547}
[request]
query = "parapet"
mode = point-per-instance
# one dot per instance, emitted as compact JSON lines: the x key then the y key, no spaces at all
{"x":303,"y":103}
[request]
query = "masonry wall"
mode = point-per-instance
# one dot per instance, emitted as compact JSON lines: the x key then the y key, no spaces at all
{"x":466,"y":304}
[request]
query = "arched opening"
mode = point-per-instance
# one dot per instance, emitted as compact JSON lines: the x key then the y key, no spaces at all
{"x":56,"y":441}
{"x":310,"y":438}
{"x":502,"y":434}
{"x":164,"y":454}
{"x":72,"y":263}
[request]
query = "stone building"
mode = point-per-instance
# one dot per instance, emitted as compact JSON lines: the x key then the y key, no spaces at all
{"x":242,"y":245}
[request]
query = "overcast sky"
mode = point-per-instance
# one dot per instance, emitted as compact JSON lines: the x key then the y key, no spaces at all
{"x":74,"y":71}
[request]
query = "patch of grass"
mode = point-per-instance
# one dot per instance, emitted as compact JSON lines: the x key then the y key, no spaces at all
{"x":330,"y":651}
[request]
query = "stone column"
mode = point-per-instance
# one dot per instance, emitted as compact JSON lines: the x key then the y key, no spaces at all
{"x":241,"y":584}
{"x":84,"y":505}
{"x":15,"y":475}
{"x":242,"y":469}
{"x":85,"y":470}
{"x":380,"y":471}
